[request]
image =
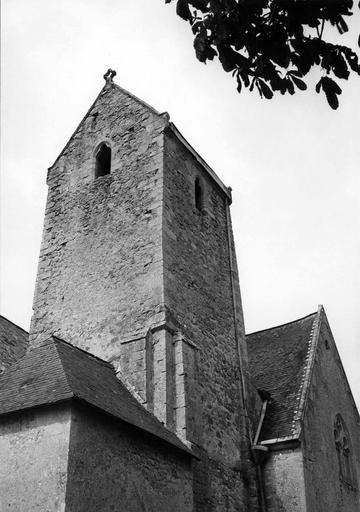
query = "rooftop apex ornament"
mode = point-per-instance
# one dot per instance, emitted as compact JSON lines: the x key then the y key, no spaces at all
{"x":109,"y":75}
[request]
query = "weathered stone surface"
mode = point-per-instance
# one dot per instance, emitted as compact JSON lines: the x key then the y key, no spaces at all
{"x":284,"y":482}
{"x":113,"y":467}
{"x":138,"y":266}
{"x":34,"y":449}
{"x":309,"y":478}
{"x":329,"y":395}
{"x":100,"y":264}
{"x":72,"y":458}
{"x":134,"y":271}
{"x":199,"y":292}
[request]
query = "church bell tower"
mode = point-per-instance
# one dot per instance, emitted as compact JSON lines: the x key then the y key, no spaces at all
{"x":137,"y":266}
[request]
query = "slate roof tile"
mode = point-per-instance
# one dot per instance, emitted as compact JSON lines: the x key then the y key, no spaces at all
{"x":13,"y":342}
{"x":57,"y":371}
{"x":277,"y":359}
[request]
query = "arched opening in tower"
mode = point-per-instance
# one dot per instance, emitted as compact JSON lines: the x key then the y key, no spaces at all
{"x":103,"y":161}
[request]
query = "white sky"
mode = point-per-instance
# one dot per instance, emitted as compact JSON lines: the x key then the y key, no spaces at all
{"x":292,"y":162}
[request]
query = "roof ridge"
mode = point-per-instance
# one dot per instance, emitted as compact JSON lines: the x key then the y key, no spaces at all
{"x":282,"y":325}
{"x":14,"y":324}
{"x":307,"y":371}
{"x":64,"y":371}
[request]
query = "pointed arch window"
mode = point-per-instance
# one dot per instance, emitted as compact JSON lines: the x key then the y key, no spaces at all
{"x":343,"y":449}
{"x":199,"y":195}
{"x":102,"y":160}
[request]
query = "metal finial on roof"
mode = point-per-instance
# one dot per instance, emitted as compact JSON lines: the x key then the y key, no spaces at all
{"x":109,"y":75}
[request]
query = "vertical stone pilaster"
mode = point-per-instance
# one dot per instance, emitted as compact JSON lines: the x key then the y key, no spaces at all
{"x":185,"y":393}
{"x":149,"y":369}
{"x":159,"y":368}
{"x":163,"y":353}
{"x":180,"y":395}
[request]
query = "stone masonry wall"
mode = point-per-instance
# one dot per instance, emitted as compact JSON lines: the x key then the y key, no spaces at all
{"x":135,"y":368}
{"x":133,"y":272}
{"x":329,"y":395}
{"x":100,"y":268}
{"x":284,"y":481}
{"x":198,"y":298}
{"x":34,"y":450}
{"x":115,"y":467}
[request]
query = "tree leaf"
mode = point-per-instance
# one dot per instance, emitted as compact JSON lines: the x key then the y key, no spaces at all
{"x":229,"y":58}
{"x":267,"y":92}
{"x":342,"y":26}
{"x":203,"y":49}
{"x":340,"y":68}
{"x":245,"y":78}
{"x":352,"y":59}
{"x":332,"y":99}
{"x":330,"y":85}
{"x":200,"y":4}
{"x":239,"y":83}
{"x":299,"y":83}
{"x":331,"y":90}
{"x":259,"y":88}
{"x":183,"y":10}
{"x":295,"y":72}
{"x":252,"y":84}
{"x":196,"y":27}
{"x":271,"y":40}
{"x":290,"y":87}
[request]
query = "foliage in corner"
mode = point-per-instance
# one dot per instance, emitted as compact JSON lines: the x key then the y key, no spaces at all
{"x":273,"y":44}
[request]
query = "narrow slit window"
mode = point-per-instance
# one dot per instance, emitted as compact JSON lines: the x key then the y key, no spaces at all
{"x":198,"y":195}
{"x":103,"y":161}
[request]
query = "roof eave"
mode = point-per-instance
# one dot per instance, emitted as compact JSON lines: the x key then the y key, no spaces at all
{"x":73,"y":398}
{"x":178,"y":444}
{"x":201,"y":161}
{"x":40,"y":405}
{"x":282,"y":443}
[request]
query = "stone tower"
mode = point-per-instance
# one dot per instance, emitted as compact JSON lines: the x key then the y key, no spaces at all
{"x":137,"y":266}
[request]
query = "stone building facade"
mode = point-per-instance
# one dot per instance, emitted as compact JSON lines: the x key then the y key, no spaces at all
{"x":311,"y":429}
{"x":151,"y":402}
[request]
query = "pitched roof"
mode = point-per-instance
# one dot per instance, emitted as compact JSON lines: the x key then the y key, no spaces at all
{"x":57,"y":371}
{"x":13,"y":342}
{"x":112,"y":86}
{"x":279,"y":360}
